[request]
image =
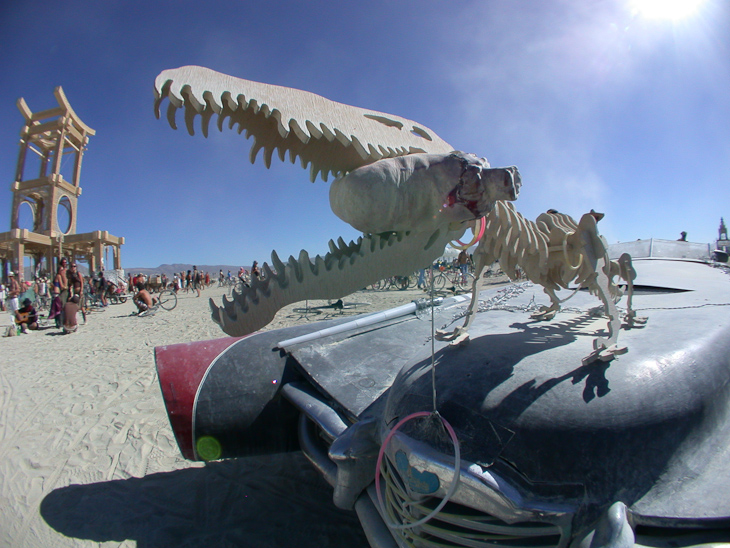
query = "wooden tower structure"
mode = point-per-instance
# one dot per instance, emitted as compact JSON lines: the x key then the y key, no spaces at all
{"x":53,"y":136}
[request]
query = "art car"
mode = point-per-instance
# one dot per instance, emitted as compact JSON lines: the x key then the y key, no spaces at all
{"x":514,"y":418}
{"x":511,"y":440}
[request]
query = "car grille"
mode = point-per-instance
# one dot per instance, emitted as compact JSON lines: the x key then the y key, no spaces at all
{"x":456,"y":525}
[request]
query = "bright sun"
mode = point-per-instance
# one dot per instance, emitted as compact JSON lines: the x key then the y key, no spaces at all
{"x":666,"y":9}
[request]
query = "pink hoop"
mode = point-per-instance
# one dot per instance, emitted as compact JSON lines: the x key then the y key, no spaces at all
{"x":452,"y":487}
{"x":482,"y":226}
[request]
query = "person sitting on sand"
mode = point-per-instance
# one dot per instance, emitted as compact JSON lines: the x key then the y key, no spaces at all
{"x":142,"y":299}
{"x":26,"y":317}
{"x":70,"y":309}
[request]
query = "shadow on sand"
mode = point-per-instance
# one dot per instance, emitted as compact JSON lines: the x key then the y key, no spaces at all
{"x":268,"y":501}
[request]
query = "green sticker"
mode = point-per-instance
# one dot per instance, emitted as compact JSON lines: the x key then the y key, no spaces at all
{"x":208,"y":448}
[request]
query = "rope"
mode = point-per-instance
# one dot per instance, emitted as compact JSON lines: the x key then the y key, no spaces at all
{"x":433,"y":352}
{"x":412,"y":416}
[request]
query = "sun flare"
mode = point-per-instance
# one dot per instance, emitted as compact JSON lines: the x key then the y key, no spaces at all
{"x":672,"y":10}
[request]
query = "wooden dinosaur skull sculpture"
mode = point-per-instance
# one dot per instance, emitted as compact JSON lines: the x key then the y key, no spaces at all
{"x":396,"y":181}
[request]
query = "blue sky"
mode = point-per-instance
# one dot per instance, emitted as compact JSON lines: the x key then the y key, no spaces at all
{"x":599,"y":105}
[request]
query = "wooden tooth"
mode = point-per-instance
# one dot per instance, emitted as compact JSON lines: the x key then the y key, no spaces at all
{"x":171,"y":109}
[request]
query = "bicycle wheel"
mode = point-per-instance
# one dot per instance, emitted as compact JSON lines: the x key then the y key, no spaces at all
{"x":413,"y":280}
{"x":439,"y":282}
{"x":167,"y":299}
{"x":465,"y":285}
{"x":394,"y":282}
{"x":400,"y":282}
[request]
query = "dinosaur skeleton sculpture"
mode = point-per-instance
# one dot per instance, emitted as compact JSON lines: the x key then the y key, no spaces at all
{"x":554,"y":251}
{"x":397,"y":182}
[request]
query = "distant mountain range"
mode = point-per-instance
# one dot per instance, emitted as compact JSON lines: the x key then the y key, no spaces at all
{"x":171,"y":269}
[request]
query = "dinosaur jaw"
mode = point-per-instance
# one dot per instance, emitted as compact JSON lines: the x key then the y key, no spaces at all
{"x":327,"y":136}
{"x":344,"y":270}
{"x":396,"y":181}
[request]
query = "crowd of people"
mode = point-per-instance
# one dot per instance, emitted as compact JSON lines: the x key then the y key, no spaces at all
{"x":68,"y":292}
{"x":243,"y":276}
{"x":64,"y":293}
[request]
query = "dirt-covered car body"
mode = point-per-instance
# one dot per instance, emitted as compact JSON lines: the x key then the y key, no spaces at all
{"x":543,"y":451}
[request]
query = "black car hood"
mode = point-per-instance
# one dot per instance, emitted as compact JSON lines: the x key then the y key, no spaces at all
{"x":649,"y":428}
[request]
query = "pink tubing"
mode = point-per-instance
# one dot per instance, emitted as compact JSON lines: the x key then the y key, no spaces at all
{"x":452,"y":487}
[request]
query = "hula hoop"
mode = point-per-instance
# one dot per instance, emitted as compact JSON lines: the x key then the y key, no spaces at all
{"x":462,"y":246}
{"x":452,"y":487}
{"x":567,"y":259}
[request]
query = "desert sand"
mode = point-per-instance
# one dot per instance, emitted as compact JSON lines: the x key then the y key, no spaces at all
{"x":88,"y":458}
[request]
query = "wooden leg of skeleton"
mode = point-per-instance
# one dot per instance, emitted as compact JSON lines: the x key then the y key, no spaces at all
{"x":629,"y":274}
{"x":548,"y":312}
{"x":606,"y":348}
{"x":460,"y":335}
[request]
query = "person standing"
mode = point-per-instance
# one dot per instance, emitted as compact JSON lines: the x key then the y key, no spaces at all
{"x":63,"y":279}
{"x":422,"y":278}
{"x":75,"y":287}
{"x":41,"y":289}
{"x":13,"y":293}
{"x":56,"y":312}
{"x":101,"y":287}
{"x":75,"y":280}
{"x":463,"y":260}
{"x":197,"y":280}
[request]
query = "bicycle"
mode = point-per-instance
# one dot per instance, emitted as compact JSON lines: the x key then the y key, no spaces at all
{"x":375,"y":286}
{"x":452,"y":280}
{"x":238,"y":286}
{"x":396,"y":282}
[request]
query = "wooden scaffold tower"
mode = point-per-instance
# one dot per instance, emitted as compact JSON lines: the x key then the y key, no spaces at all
{"x":53,"y":135}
